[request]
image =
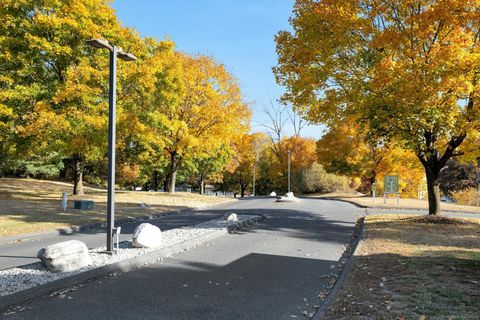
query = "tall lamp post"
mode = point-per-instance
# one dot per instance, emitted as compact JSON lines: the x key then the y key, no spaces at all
{"x":289,"y":170}
{"x":254,"y":178}
{"x":114,"y":53}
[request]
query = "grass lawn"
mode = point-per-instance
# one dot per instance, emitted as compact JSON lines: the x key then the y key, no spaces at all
{"x":391,"y":202}
{"x":29,"y":205}
{"x":413,"y":268}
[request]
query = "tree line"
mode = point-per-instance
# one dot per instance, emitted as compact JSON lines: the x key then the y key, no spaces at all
{"x":177,"y":114}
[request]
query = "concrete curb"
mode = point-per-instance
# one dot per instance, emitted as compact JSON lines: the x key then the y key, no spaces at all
{"x":341,"y":200}
{"x":121,"y":266}
{"x":349,"y":254}
{"x":101,"y":225}
{"x":393,"y":208}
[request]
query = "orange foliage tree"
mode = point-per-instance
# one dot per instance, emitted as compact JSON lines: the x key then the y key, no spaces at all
{"x":407,"y":70}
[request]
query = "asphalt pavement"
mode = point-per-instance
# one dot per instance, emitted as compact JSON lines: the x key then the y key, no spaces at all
{"x":24,"y":251}
{"x":273,"y":271}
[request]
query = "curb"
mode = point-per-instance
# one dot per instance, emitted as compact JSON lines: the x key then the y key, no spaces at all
{"x":394,"y":208}
{"x":349,"y":254}
{"x":121,"y":266}
{"x":341,"y":200}
{"x":101,"y":225}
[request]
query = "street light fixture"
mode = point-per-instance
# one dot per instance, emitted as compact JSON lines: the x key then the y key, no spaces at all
{"x":289,"y":170}
{"x":114,"y":53}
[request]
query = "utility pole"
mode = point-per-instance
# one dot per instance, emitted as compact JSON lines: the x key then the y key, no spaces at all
{"x":254,"y":178}
{"x":289,"y":153}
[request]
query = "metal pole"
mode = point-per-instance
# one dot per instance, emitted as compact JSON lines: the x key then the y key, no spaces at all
{"x":288,"y":170}
{"x":111,"y":150}
{"x":254,"y":169}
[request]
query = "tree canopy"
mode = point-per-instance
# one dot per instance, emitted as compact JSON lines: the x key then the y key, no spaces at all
{"x":407,"y":71}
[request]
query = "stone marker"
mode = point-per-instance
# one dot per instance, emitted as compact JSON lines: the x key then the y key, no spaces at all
{"x":65,"y":256}
{"x":230,"y":216}
{"x":147,"y":235}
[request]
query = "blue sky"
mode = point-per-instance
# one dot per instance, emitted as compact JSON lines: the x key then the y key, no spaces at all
{"x":238,"y":33}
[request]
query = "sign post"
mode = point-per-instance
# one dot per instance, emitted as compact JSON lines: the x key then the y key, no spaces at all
{"x":390,"y":186}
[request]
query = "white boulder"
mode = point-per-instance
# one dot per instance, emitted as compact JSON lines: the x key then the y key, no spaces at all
{"x":147,"y":235}
{"x":230,"y":216}
{"x":65,"y":256}
{"x":273,"y":194}
{"x":289,"y":197}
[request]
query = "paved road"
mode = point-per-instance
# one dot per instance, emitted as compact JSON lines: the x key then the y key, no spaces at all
{"x":273,"y":271}
{"x":21,"y":252}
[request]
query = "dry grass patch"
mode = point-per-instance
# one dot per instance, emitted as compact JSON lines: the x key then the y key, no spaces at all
{"x":410,"y":267}
{"x":29,"y":205}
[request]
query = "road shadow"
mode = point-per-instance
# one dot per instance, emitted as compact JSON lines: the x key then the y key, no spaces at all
{"x":254,"y":286}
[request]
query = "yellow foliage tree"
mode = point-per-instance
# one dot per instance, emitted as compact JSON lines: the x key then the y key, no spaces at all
{"x":407,"y":70}
{"x":203,"y":112}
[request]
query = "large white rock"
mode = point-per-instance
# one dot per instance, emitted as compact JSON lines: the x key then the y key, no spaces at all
{"x":230,"y":216}
{"x":147,"y":235}
{"x":65,"y":256}
{"x":289,"y":197}
{"x":273,"y":194}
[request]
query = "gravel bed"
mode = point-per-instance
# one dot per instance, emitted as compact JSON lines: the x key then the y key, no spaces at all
{"x":25,"y":277}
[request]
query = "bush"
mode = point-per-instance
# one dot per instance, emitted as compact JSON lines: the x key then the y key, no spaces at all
{"x":32,"y":169}
{"x":468,"y":197}
{"x":457,"y":176}
{"x":316,"y":180}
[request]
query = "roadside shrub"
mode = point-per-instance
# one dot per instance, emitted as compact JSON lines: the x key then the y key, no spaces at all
{"x":316,"y":180}
{"x":32,"y":169}
{"x":457,"y":176}
{"x":468,"y":197}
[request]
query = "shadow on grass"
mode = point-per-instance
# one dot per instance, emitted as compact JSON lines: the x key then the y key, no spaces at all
{"x":438,"y":285}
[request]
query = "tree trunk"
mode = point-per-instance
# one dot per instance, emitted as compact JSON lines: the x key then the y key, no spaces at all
{"x":156,"y":181}
{"x":242,"y":190}
{"x":202,"y":185}
{"x":433,"y":187}
{"x":171,"y":179}
{"x":172,"y":173}
{"x":78,"y":174}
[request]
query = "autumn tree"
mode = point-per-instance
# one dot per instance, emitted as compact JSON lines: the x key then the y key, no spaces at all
{"x":203,"y":112}
{"x":239,"y":173}
{"x":61,"y":92}
{"x":211,"y":164}
{"x":406,"y":70}
{"x":273,"y":162}
{"x":344,"y":150}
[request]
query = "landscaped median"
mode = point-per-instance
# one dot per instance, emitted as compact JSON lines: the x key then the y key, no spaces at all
{"x":413,"y":267}
{"x":30,"y":281}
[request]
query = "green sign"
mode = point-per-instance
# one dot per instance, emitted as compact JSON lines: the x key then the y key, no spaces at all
{"x":390,"y":184}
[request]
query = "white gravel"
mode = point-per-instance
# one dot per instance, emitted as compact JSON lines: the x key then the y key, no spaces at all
{"x":25,"y":277}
